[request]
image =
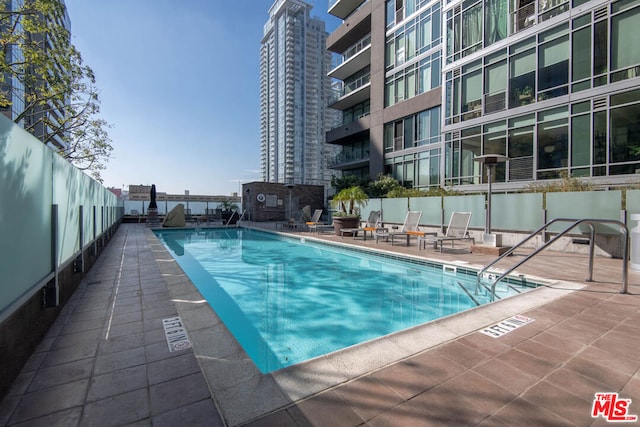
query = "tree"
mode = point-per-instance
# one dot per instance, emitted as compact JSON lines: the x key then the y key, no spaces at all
{"x":383,"y":186}
{"x":348,"y":181}
{"x":349,"y":200}
{"x":46,"y":72}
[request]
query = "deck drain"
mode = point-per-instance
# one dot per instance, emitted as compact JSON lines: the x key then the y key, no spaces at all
{"x":95,"y":282}
{"x":506,"y":326}
{"x":175,"y":333}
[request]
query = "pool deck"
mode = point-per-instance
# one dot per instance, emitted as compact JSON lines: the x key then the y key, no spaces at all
{"x":106,"y":361}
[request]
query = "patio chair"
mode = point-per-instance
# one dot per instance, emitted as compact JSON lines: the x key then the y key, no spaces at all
{"x":409,"y":228}
{"x":315,"y":221}
{"x":299,"y":219}
{"x":188,"y":217}
{"x":457,"y":230}
{"x":374,"y":222}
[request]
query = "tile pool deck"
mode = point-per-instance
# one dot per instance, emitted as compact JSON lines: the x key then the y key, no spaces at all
{"x":105,"y":361}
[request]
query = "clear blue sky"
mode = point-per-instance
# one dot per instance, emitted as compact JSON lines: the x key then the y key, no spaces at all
{"x":179,"y":82}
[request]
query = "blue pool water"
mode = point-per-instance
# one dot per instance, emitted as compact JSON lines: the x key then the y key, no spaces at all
{"x":288,"y":300}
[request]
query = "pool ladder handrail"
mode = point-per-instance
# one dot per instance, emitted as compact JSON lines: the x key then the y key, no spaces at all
{"x":575,"y":223}
{"x":239,"y":219}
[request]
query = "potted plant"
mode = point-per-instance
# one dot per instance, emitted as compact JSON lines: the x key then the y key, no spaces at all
{"x":229,"y":211}
{"x":524,"y":95}
{"x":348,"y":203}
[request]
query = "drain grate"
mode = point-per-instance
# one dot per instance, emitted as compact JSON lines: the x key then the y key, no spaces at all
{"x":175,"y":333}
{"x":95,"y":282}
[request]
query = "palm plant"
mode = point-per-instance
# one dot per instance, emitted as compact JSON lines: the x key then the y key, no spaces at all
{"x":349,"y":201}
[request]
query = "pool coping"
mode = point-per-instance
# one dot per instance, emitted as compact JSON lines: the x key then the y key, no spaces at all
{"x":233,"y":379}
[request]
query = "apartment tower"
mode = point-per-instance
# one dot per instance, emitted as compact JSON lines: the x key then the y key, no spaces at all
{"x":294,"y":89}
{"x":44,"y":121}
{"x":429,"y":86}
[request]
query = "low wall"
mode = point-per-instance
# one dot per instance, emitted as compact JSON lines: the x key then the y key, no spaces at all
{"x":24,"y":329}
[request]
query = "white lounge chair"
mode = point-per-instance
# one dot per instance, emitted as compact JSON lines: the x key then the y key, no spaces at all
{"x":373,"y":223}
{"x":457,"y":230}
{"x":408,"y":229}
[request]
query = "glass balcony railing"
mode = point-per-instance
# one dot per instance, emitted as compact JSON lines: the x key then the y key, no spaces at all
{"x":348,"y":87}
{"x":348,"y":157}
{"x":352,"y":51}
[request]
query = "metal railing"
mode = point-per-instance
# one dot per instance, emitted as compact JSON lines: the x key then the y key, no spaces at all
{"x":239,"y":219}
{"x":575,"y":223}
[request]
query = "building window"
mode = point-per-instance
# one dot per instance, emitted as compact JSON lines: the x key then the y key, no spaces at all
{"x":417,"y":78}
{"x":580,"y":142}
{"x":581,"y":53}
{"x":495,"y":21}
{"x":553,"y":143}
{"x":495,"y":83}
{"x":471,"y":27}
{"x":553,"y":64}
{"x":625,"y":130}
{"x":523,"y":15}
{"x":420,"y":170}
{"x":625,"y":49}
{"x":471,"y":91}
{"x":414,"y":38}
{"x":413,"y":131}
{"x":357,"y":111}
{"x":522,"y":75}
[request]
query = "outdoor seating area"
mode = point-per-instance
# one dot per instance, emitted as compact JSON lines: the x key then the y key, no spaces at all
{"x":410,"y":228}
{"x":317,"y":226}
{"x":373,"y":225}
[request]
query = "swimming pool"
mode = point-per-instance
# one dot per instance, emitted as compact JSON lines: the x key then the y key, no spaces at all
{"x":287,"y":300}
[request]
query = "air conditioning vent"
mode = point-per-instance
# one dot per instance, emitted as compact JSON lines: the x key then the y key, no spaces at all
{"x":600,"y":13}
{"x":599,"y":103}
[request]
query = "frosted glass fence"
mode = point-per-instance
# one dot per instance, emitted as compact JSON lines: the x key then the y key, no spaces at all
{"x":49,"y":212}
{"x":519,"y":212}
{"x":139,"y":207}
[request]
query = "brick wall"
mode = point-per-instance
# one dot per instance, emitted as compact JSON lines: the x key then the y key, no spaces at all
{"x":267,"y":201}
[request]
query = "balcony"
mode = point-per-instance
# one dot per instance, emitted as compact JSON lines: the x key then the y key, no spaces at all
{"x":354,"y":59}
{"x":349,"y":94}
{"x":348,"y":160}
{"x":345,"y":133}
{"x":343,"y":8}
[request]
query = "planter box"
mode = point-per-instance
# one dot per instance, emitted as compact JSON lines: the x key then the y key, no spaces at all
{"x":340,"y":222}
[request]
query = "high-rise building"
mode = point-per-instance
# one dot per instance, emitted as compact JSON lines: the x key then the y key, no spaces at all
{"x":294,"y":87}
{"x":428,"y":86}
{"x":43,"y":121}
{"x":10,"y":86}
{"x":48,"y":120}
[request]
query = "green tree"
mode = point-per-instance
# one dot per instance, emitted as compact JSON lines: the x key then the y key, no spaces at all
{"x":61,"y":100}
{"x":348,"y":181}
{"x":384,"y":185}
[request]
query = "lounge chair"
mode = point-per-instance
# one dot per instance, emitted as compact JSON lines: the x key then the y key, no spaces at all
{"x":457,"y":230}
{"x":408,"y":229}
{"x":313,"y":224}
{"x":373,"y":223}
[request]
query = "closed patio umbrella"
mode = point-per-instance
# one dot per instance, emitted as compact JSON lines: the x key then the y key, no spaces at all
{"x":152,"y":195}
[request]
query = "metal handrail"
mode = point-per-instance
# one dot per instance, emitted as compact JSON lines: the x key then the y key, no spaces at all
{"x":239,"y":219}
{"x":575,"y":223}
